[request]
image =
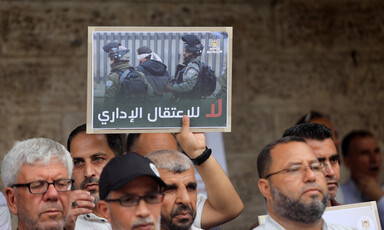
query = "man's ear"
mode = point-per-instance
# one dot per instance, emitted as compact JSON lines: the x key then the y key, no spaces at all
{"x":265,"y":188}
{"x":10,"y":195}
{"x":103,"y":209}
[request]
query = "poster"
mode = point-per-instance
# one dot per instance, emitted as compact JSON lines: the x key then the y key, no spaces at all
{"x":189,"y":73}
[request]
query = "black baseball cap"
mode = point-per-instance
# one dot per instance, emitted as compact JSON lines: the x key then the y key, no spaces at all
{"x":124,"y":168}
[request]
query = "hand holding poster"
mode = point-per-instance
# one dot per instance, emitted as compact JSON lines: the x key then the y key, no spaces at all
{"x":144,"y":79}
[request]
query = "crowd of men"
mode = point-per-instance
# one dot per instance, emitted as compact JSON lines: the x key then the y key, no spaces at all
{"x":109,"y":185}
{"x":97,"y":184}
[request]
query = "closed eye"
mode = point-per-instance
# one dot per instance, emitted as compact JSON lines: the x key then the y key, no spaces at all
{"x":170,"y":188}
{"x":192,"y":186}
{"x":293,"y":169}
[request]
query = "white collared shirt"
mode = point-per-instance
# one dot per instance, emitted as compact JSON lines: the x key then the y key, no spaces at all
{"x":271,"y":224}
{"x":92,"y":222}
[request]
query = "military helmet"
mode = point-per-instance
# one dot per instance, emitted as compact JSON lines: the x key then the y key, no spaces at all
{"x":116,"y":51}
{"x":193,"y":44}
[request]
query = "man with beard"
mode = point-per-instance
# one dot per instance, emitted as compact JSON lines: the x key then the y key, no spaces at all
{"x":181,"y":203}
{"x":293,"y":184}
{"x":37,"y":175}
{"x":362,"y":156}
{"x":130,"y":196}
{"x":320,"y":139}
{"x":324,"y":119}
{"x":90,"y":153}
{"x":178,"y":210}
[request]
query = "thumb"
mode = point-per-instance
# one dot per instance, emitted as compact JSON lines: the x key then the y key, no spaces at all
{"x":185,"y":124}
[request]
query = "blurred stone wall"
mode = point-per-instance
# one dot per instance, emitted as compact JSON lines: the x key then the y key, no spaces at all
{"x":289,"y":57}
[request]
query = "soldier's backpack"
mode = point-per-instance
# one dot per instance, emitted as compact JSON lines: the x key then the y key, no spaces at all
{"x":131,"y":85}
{"x":206,"y":84}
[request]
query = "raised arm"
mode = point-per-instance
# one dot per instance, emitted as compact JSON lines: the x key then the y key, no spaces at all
{"x":223,"y":203}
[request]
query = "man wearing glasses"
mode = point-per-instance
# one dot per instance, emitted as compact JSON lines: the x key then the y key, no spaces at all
{"x":320,"y":139}
{"x":293,"y":183}
{"x":130,"y":196}
{"x":36,"y":173}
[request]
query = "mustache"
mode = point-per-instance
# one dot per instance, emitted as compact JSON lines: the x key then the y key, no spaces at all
{"x":182,"y":207}
{"x":311,"y":185}
{"x":50,"y":206}
{"x":331,"y":179}
{"x":146,"y":220}
{"x":88,"y":180}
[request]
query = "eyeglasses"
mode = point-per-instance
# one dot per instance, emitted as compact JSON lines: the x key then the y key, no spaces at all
{"x":131,"y":200}
{"x":298,"y":170}
{"x":40,"y":187}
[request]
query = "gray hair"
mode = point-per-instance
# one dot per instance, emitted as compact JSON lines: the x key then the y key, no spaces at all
{"x":28,"y":152}
{"x":170,"y":160}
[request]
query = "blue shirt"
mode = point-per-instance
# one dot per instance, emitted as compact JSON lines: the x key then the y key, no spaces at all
{"x":5,"y":217}
{"x":353,"y":195}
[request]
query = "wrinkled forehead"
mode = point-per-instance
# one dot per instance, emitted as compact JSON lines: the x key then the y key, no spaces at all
{"x":43,"y":170}
{"x":364,"y":141}
{"x":286,"y":154}
{"x":322,"y":148}
{"x":363,"y":144}
{"x":185,"y":177}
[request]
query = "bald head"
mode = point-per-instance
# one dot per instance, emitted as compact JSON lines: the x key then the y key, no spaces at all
{"x":148,"y":142}
{"x":173,"y":161}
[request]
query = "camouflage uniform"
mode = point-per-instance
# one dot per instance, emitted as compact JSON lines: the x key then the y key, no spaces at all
{"x":186,"y":80}
{"x":112,"y":83}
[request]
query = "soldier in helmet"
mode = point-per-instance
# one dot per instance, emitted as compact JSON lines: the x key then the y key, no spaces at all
{"x":119,"y":61}
{"x":187,"y":76}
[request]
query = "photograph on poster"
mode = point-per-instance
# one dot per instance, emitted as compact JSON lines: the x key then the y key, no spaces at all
{"x":144,"y":79}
